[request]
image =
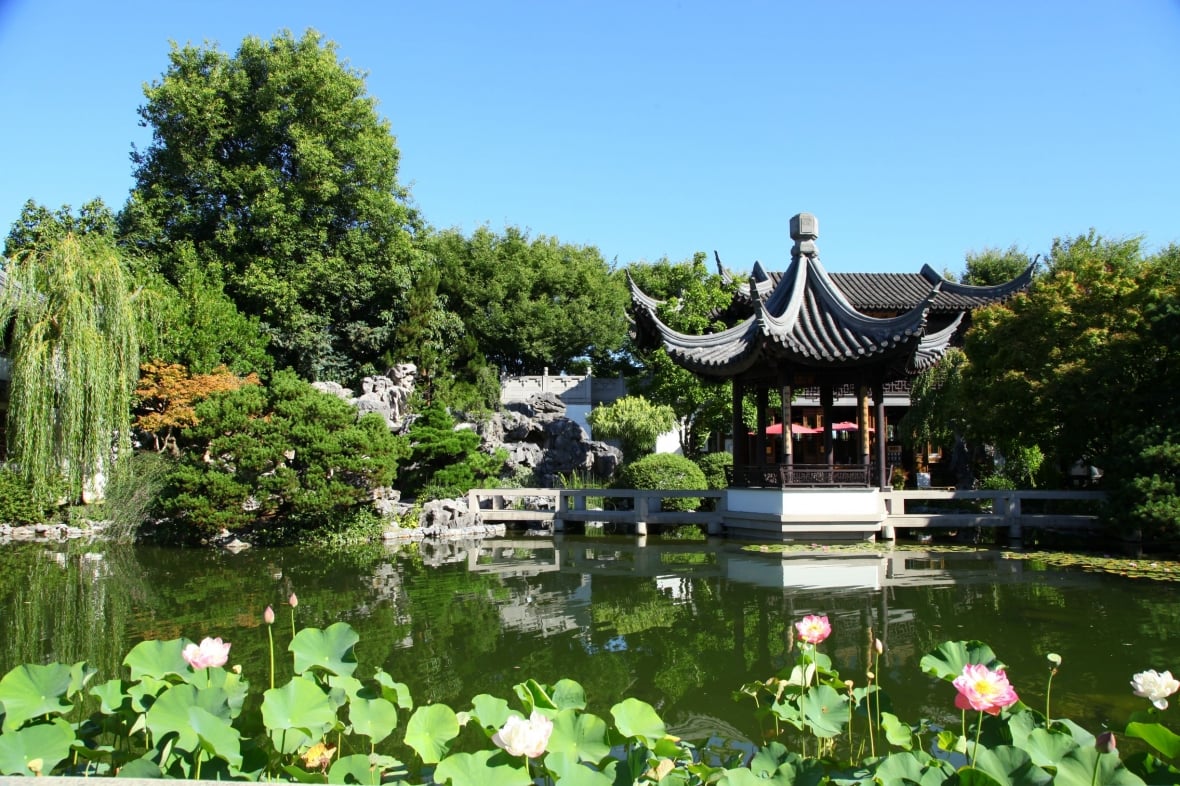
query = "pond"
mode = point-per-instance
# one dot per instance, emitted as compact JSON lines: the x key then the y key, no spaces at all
{"x":679,"y":624}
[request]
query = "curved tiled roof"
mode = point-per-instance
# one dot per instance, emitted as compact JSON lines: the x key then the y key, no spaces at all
{"x":805,"y":317}
{"x":804,"y":320}
{"x":903,"y":291}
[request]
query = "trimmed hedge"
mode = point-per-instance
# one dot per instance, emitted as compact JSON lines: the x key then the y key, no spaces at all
{"x":665,"y":471}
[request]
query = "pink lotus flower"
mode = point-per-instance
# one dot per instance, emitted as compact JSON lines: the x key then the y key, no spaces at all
{"x":210,"y":652}
{"x":520,"y":737}
{"x":982,"y":689}
{"x":294,"y":601}
{"x":814,"y":628}
{"x":268,"y":616}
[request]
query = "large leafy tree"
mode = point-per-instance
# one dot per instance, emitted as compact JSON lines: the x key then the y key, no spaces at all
{"x":693,"y":298}
{"x":1083,"y":367}
{"x":531,"y":303}
{"x":274,"y":166}
{"x":1056,"y":367}
{"x":69,"y":308}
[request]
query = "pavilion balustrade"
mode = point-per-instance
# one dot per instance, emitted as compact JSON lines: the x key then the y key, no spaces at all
{"x":782,"y":476}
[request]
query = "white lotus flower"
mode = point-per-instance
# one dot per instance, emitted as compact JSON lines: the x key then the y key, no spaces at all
{"x":1155,"y":686}
{"x":522,"y":737}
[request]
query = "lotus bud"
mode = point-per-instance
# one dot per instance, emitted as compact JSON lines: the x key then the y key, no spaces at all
{"x":268,"y":616}
{"x":1106,"y":742}
{"x":878,"y":646}
{"x":294,"y":601}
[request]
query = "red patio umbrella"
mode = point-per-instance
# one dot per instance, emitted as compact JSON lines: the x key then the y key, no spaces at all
{"x":777,"y":429}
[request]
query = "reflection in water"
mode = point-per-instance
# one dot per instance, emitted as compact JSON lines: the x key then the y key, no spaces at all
{"x":681,"y":625}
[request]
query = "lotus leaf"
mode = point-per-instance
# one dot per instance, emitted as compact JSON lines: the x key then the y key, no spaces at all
{"x":477,"y":769}
{"x":430,"y":731}
{"x":158,"y":659}
{"x":299,"y":705}
{"x":635,"y":718}
{"x":490,"y":711}
{"x":328,"y":650}
{"x":582,"y":734}
{"x":374,"y":718}
{"x":33,"y":690}
{"x":49,"y":742}
{"x":826,"y":711}
{"x":948,"y":660}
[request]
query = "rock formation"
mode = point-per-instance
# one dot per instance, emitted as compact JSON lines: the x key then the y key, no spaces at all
{"x":387,"y":394}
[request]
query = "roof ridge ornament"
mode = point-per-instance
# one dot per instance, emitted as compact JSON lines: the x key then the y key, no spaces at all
{"x":804,"y":231}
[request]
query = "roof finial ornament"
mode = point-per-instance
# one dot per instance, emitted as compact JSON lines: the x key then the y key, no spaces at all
{"x":804,"y":231}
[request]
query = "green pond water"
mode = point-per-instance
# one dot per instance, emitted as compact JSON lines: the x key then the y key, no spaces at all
{"x":681,"y":625}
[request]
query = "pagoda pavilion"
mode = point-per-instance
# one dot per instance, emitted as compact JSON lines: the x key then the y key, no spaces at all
{"x":804,"y":329}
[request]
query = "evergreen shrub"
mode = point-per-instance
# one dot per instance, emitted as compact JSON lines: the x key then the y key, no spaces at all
{"x":714,"y":465}
{"x":665,"y":471}
{"x":283,"y":461}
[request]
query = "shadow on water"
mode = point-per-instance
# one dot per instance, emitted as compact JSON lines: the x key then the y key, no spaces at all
{"x":679,"y":624}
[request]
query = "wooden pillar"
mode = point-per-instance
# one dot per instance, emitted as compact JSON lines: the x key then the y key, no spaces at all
{"x":788,"y":436}
{"x":825,"y":401}
{"x":862,"y":421}
{"x":762,"y":397}
{"x":741,"y":443}
{"x":882,"y":432}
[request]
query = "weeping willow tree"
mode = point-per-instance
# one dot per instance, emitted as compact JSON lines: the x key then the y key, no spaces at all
{"x":68,"y":311}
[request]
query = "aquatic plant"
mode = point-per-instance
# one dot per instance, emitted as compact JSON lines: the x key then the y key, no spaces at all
{"x":178,"y":712}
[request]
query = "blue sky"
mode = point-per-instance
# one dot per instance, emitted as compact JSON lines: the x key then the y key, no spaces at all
{"x":915,"y":131}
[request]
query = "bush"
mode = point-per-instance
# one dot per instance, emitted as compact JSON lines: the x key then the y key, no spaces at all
{"x":665,"y":471}
{"x":714,"y":466}
{"x":284,"y":460}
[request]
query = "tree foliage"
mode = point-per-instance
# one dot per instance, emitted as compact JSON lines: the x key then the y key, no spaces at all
{"x":283,"y":459}
{"x":994,"y":266}
{"x":39,"y":227}
{"x":634,"y":421}
{"x":451,"y":369}
{"x":446,"y":461}
{"x":197,"y":324}
{"x":275,"y":166}
{"x":1083,"y":367}
{"x":530,"y":303}
{"x":693,"y":297}
{"x":75,"y":359}
{"x":168,"y":393}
